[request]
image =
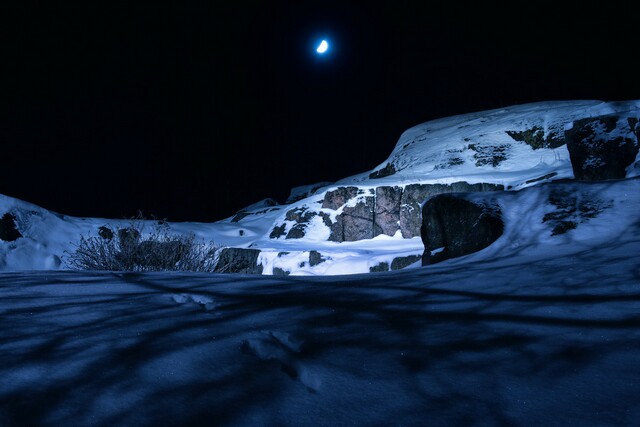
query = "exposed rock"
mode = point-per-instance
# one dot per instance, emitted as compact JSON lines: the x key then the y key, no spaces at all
{"x":315,"y":258}
{"x":489,"y":154}
{"x":338,"y":197}
{"x":8,"y":229}
{"x":384,"y":210}
{"x":299,"y":215}
{"x":453,"y":226}
{"x":277,"y":271}
{"x":388,"y":170}
{"x":105,"y":232}
{"x":383,"y":266}
{"x":278,"y":231}
{"x":357,"y":221}
{"x":297,"y":231}
{"x":387,"y":210}
{"x":401,"y":262}
{"x":239,"y":260}
{"x":602,"y":147}
{"x":536,"y":138}
{"x":414,"y":196}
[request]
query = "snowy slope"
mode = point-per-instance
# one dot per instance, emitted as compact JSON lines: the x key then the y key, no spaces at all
{"x":538,"y":330}
{"x":457,"y":148}
{"x":517,"y":147}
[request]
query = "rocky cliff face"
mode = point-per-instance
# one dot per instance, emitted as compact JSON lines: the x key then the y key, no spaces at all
{"x":499,"y":150}
{"x":352,"y":213}
{"x":601,"y":148}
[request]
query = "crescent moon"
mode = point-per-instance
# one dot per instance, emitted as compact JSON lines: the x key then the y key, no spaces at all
{"x":322,"y":48}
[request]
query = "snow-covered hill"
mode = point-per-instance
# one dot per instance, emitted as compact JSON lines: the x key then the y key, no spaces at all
{"x":371,"y":221}
{"x":538,"y":328}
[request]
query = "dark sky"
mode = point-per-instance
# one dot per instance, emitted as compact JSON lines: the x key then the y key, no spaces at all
{"x":192,"y":110}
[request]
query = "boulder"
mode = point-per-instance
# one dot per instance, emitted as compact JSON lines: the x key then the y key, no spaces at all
{"x":8,"y":229}
{"x":414,"y":196}
{"x":315,"y":258}
{"x":404,"y":261}
{"x":239,"y":260}
{"x":602,"y":147}
{"x":453,"y":226}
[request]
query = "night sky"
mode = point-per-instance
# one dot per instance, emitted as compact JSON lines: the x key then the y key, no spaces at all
{"x":192,"y":110}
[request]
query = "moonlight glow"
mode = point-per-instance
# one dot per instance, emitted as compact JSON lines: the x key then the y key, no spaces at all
{"x":322,"y":47}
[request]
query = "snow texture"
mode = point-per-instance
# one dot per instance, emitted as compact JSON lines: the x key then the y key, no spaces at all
{"x":540,"y":328}
{"x":487,"y":146}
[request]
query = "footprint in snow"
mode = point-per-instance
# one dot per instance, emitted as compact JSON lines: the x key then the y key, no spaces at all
{"x":281,"y":347}
{"x":207,"y":303}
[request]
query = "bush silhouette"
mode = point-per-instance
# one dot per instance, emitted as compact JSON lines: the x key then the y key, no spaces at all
{"x":131,"y":249}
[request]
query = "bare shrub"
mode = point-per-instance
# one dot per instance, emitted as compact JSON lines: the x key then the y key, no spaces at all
{"x":130,"y":249}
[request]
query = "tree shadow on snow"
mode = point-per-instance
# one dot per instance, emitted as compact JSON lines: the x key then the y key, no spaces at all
{"x":450,"y":348}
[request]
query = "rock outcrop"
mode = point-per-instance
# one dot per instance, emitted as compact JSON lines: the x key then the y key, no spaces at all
{"x":453,"y":226}
{"x":602,"y":147}
{"x":364,"y":213}
{"x":8,"y":229}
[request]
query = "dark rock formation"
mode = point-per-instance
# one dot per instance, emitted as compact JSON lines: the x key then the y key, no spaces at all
{"x":489,"y":154}
{"x":387,"y":211}
{"x":239,"y":260}
{"x":105,"y":232}
{"x":398,"y":263}
{"x":453,"y":226}
{"x":278,"y":231}
{"x":414,"y":196}
{"x":355,"y":222}
{"x":338,"y":197}
{"x":383,"y":266}
{"x":602,"y":147}
{"x":388,"y":170}
{"x":8,"y":229}
{"x":536,"y":138}
{"x":277,"y":271}
{"x":404,"y":261}
{"x":297,"y":231}
{"x":315,"y":258}
{"x":384,"y":210}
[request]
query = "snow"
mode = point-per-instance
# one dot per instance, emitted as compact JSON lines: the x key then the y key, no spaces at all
{"x":538,"y":332}
{"x":442,"y":151}
{"x":539,"y":328}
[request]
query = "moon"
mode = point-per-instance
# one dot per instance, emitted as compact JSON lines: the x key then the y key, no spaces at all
{"x":322,"y":47}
